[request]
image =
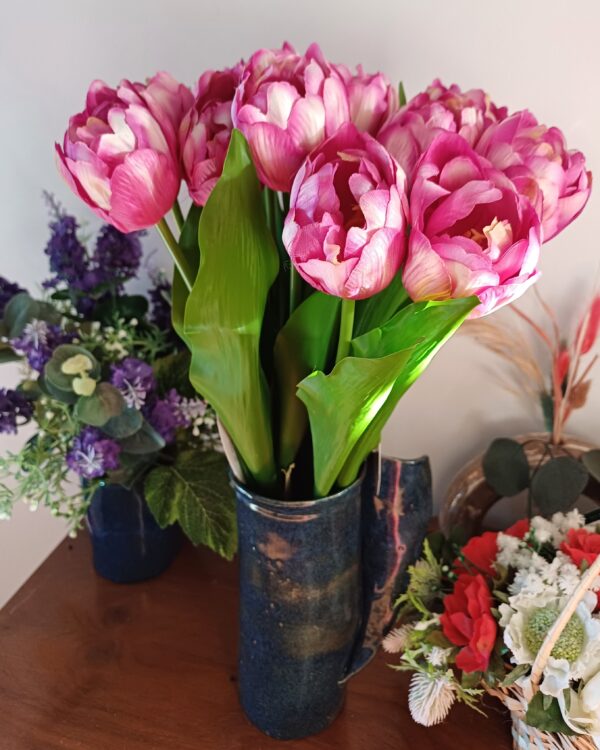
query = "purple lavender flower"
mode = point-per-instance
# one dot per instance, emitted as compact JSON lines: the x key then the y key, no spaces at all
{"x":117,"y":256}
{"x":15,"y":410}
{"x":38,"y":341}
{"x":135,"y":380}
{"x":92,"y":455}
{"x":167,"y":417}
{"x":160,"y":306}
{"x":7,"y":292}
{"x":68,"y":257}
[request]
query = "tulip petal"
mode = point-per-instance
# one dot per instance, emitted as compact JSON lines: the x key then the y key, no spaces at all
{"x":425,"y":276}
{"x":460,"y":204}
{"x":275,"y":155}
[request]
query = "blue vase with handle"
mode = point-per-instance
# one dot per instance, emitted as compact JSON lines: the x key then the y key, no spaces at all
{"x":318,"y":582}
{"x":127,"y":543}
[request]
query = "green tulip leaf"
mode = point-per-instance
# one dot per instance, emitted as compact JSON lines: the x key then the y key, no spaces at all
{"x":104,"y":403}
{"x":145,"y":440}
{"x":304,"y":344}
{"x":506,"y":468}
{"x":377,"y":310}
{"x":557,"y":485}
{"x":225,"y":309}
{"x":127,"y":423}
{"x":188,"y":242}
{"x":422,"y":327}
{"x":53,"y":370}
{"x":22,"y":309}
{"x":341,"y":405}
{"x":195,"y":492}
{"x":591,"y":461}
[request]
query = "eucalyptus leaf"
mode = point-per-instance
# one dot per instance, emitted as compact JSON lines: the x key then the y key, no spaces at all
{"x":591,"y":461}
{"x":225,"y":309}
{"x":340,"y":405}
{"x":22,"y":309}
{"x":64,"y":396}
{"x":123,"y":426}
{"x":145,"y":441}
{"x":421,"y":326}
{"x":558,"y":484}
{"x":548,"y":719}
{"x":506,"y":467}
{"x":304,"y":344}
{"x":104,"y":403}
{"x":195,"y":492}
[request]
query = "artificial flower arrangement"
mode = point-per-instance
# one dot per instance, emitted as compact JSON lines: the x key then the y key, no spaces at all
{"x":338,"y":236}
{"x":505,"y":613}
{"x":104,"y":378}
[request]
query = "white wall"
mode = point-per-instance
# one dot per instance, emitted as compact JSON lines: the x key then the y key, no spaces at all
{"x":541,"y":54}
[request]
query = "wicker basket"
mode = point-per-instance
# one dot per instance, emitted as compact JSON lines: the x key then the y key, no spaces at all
{"x":515,"y":700}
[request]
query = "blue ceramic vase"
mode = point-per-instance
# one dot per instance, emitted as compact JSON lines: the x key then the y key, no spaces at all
{"x":127,"y":543}
{"x":318,"y":580}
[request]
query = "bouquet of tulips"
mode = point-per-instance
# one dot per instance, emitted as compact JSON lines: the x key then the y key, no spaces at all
{"x":515,"y":614}
{"x":338,"y":235}
{"x":104,"y":378}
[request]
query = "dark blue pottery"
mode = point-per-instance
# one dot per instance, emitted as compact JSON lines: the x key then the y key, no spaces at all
{"x":127,"y":543}
{"x":318,"y":580}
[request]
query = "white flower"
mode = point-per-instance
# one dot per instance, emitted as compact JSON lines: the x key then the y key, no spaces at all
{"x":556,"y":677}
{"x":580,"y":716}
{"x":396,"y":640}
{"x":564,"y":522}
{"x":438,"y":657}
{"x":430,"y":697}
{"x":543,"y":529}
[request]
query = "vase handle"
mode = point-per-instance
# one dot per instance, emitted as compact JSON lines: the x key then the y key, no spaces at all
{"x":396,"y":509}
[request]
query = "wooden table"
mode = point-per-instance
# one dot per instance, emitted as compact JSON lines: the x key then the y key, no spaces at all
{"x":90,"y":665}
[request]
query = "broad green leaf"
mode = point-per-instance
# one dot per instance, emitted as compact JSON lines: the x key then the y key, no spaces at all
{"x":53,"y":368}
{"x":195,"y":491}
{"x":224,"y":311}
{"x":548,"y":719}
{"x":105,"y":402}
{"x":304,"y":344}
{"x":422,"y":326}
{"x":188,"y":242}
{"x":22,"y":309}
{"x":126,"y":424}
{"x":557,"y":485}
{"x":591,"y":461}
{"x":377,"y":310}
{"x":173,"y":371}
{"x":505,"y":467}
{"x":341,"y":405}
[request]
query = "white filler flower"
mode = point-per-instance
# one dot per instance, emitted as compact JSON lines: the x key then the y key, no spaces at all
{"x":430,"y":697}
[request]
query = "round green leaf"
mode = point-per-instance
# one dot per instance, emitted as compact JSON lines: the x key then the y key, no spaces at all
{"x":145,"y":440}
{"x":66,"y":397}
{"x":558,"y":484}
{"x":127,"y":423}
{"x":104,"y":403}
{"x":591,"y":461}
{"x":506,"y":467}
{"x":22,"y":309}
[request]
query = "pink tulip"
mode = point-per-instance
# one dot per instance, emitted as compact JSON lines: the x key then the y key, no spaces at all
{"x":372,"y":100}
{"x":121,"y":156}
{"x":472,"y":233}
{"x":206,"y":130}
{"x":537,"y":160}
{"x":410,"y":132}
{"x":345,"y":231}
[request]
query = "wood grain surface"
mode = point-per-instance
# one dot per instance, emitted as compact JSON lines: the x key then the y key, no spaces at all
{"x":90,"y":665}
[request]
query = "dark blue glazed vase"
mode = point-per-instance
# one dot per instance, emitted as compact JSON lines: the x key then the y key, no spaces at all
{"x":127,"y":543}
{"x":318,"y":580}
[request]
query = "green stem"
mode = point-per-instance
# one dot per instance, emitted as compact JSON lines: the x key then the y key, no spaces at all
{"x":346,"y":327}
{"x":178,"y":214}
{"x":295,"y":288}
{"x":177,"y":254}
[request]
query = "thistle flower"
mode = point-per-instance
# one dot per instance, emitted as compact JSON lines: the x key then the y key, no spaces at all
{"x":397,"y":639}
{"x":15,"y":410}
{"x":430,"y":697}
{"x":92,"y":455}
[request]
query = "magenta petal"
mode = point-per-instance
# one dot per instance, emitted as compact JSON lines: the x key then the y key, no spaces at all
{"x":460,"y":204}
{"x":144,"y":188}
{"x":335,"y":100}
{"x":425,"y":276}
{"x":275,"y":155}
{"x":380,"y":261}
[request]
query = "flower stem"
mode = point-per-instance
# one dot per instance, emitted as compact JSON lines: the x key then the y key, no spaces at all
{"x":295,"y":288}
{"x":178,"y":214}
{"x":181,"y":262}
{"x":346,"y":327}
